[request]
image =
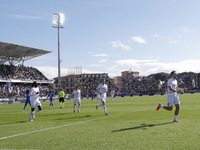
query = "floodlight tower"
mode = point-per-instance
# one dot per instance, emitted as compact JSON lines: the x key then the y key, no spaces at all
{"x":58,"y":22}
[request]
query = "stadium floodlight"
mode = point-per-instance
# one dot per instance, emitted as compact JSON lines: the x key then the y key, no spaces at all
{"x":58,"y":22}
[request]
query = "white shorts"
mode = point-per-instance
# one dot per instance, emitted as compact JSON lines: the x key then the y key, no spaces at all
{"x":77,"y":100}
{"x":172,"y":98}
{"x":35,"y":103}
{"x":103,"y":98}
{"x":112,"y":95}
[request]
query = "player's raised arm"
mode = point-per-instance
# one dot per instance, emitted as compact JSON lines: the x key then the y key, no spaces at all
{"x":23,"y":92}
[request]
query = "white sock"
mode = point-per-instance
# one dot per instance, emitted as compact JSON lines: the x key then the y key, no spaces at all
{"x":175,"y":117}
{"x":74,"y":107}
{"x":161,"y":105}
{"x":104,"y":107}
{"x":79,"y":107}
{"x":30,"y":117}
{"x":36,"y":111}
{"x":99,"y":105}
{"x":112,"y":99}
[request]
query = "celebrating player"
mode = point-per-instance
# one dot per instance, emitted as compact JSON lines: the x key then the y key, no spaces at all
{"x":34,"y":97}
{"x":172,"y":96}
{"x":51,"y":95}
{"x":77,"y":98}
{"x":101,"y":90}
{"x":27,"y":99}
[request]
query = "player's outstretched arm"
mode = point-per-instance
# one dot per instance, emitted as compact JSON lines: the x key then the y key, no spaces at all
{"x":179,"y":90}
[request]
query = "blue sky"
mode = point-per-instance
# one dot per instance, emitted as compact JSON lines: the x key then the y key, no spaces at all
{"x":109,"y":36}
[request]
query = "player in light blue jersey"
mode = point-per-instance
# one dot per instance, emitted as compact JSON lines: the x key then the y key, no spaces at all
{"x":51,"y":95}
{"x":27,"y":99}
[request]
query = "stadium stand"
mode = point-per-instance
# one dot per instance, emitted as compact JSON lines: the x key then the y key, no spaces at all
{"x":20,"y":72}
{"x":89,"y":82}
{"x":190,"y":80}
{"x":142,"y":84}
{"x":131,"y":84}
{"x":16,"y":78}
{"x":86,"y":82}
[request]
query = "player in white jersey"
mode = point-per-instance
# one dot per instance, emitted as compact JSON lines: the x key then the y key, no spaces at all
{"x":172,"y":96}
{"x":34,"y":98}
{"x":112,"y":93}
{"x":77,"y":98}
{"x":101,"y":90}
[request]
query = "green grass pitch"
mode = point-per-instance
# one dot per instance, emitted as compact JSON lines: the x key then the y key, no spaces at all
{"x":133,"y":123}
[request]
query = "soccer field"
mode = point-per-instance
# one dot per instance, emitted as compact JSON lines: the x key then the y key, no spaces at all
{"x":132,"y":123}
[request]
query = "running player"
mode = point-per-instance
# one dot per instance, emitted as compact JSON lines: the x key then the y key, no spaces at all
{"x":34,"y":97}
{"x":51,"y":95}
{"x":172,"y":96}
{"x":101,"y":90}
{"x":112,"y":93}
{"x":77,"y":98}
{"x":27,"y":99}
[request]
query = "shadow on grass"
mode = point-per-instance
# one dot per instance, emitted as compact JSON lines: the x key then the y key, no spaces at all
{"x":142,"y":126}
{"x":57,"y":114}
{"x":75,"y":117}
{"x":12,"y":122}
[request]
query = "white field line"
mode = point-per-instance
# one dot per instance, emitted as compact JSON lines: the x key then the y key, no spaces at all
{"x":2,"y":138}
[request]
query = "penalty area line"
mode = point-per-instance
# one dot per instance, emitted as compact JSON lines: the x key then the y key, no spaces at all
{"x":66,"y":125}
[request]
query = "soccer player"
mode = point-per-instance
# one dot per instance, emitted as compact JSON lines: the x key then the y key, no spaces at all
{"x":61,"y":98}
{"x":112,"y":94}
{"x":34,"y":97}
{"x":51,"y":95}
{"x":27,"y":99}
{"x":101,"y":90}
{"x":92,"y":94}
{"x":172,"y":96}
{"x":77,"y":98}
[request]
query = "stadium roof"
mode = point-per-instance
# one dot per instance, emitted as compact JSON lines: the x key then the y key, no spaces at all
{"x":13,"y":53}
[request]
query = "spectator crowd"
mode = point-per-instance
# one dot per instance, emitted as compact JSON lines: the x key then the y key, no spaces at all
{"x":20,"y":72}
{"x":186,"y":79}
{"x":139,"y":84}
{"x":15,"y":90}
{"x":149,"y":85}
{"x":89,"y":84}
